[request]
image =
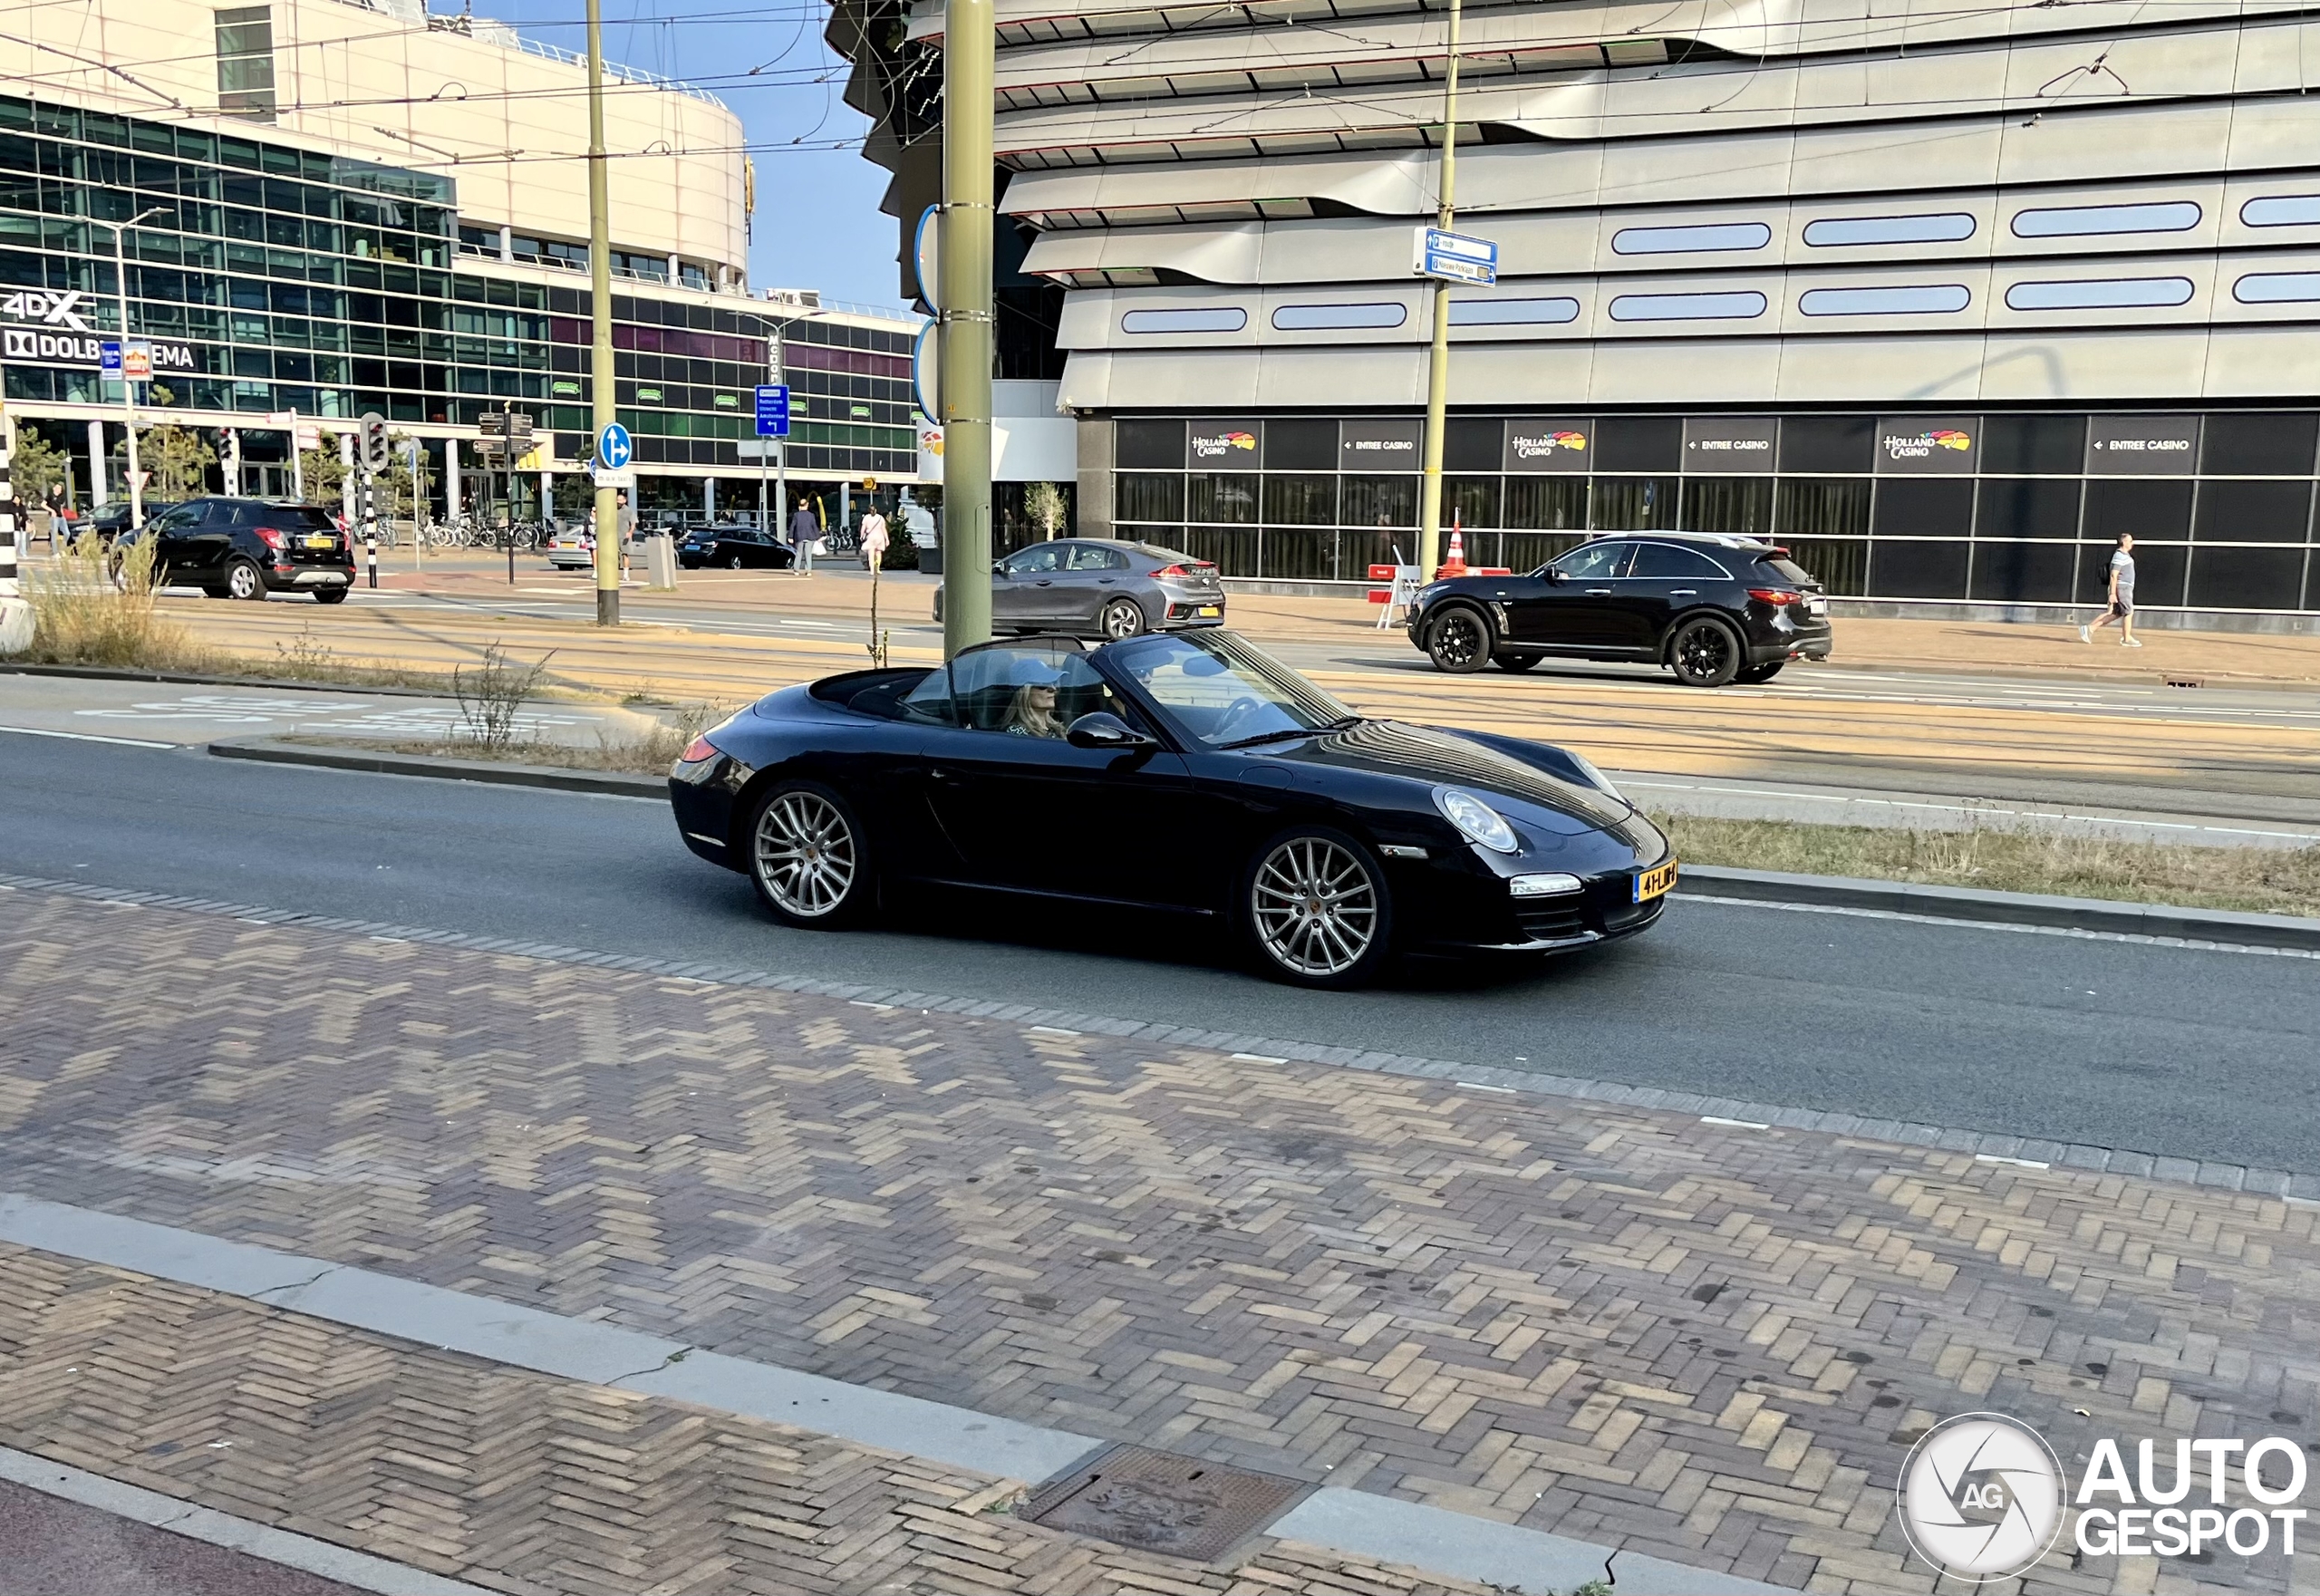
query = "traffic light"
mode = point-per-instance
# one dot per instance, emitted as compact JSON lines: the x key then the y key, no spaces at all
{"x":374,"y":442}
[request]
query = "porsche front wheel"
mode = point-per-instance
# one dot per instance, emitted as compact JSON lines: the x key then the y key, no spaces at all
{"x":1316,"y":910}
{"x":808,"y":857}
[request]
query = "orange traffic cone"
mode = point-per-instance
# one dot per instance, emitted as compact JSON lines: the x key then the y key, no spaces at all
{"x":1454,"y":563}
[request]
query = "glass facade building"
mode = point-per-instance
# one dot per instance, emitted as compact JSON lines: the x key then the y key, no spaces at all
{"x":2006,"y":509}
{"x":270,"y":279}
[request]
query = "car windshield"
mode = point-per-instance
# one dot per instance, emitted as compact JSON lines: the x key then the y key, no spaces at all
{"x":1225,"y":691}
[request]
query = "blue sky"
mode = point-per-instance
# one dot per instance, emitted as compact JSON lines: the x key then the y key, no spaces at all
{"x":817,"y":222}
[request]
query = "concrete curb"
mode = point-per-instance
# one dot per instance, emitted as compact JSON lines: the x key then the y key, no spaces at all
{"x":2008,"y":908}
{"x":495,"y":772}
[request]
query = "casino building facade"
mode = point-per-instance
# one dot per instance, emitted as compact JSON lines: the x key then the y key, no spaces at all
{"x":351,"y":207}
{"x":1945,"y":298}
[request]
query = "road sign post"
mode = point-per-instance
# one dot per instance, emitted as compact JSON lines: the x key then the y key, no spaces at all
{"x":1445,"y":256}
{"x":773,"y":422}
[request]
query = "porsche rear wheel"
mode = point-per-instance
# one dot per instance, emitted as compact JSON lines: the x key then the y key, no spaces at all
{"x":1317,"y":910}
{"x":806,"y":856}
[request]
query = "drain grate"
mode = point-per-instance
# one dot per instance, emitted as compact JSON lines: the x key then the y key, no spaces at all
{"x":1163,"y":1502}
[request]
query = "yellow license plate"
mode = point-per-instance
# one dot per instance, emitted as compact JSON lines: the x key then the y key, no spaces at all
{"x":320,"y":542}
{"x":1651,"y":883}
{"x":1209,"y":609}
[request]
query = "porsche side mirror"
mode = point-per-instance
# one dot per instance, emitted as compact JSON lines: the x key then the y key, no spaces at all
{"x":1555,"y":576}
{"x":998,"y":567}
{"x":1100,"y":729}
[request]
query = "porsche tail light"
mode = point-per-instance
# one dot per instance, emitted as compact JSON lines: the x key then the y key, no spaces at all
{"x":698,"y":750}
{"x":1775,"y":596}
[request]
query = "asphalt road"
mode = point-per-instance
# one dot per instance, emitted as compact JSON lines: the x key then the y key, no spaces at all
{"x":2201,"y":1055}
{"x":57,"y":1548}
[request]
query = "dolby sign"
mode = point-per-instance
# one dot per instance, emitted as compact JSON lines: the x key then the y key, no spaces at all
{"x":78,"y":349}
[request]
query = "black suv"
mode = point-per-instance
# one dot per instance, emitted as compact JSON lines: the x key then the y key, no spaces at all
{"x":249,"y":547}
{"x":1711,"y":608}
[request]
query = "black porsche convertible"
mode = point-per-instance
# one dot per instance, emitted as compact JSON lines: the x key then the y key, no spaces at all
{"x":1325,"y":841}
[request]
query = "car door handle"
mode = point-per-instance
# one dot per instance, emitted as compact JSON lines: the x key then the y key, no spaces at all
{"x":1683,"y":592}
{"x":1599,"y":592}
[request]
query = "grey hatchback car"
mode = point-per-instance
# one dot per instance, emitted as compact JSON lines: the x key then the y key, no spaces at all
{"x":1101,"y":588}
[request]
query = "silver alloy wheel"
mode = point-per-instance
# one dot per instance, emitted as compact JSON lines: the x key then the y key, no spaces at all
{"x":1123,"y":617}
{"x":1314,"y":907}
{"x":244,"y":582}
{"x":806,"y":854}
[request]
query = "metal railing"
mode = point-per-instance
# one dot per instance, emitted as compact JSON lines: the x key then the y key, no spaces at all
{"x":628,"y":74}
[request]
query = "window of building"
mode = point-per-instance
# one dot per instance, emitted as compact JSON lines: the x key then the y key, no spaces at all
{"x":2015,"y":571}
{"x":1634,"y":504}
{"x":1742,"y":505}
{"x":1942,"y":227}
{"x":1550,"y":504}
{"x":1226,"y":498}
{"x":2258,"y":443}
{"x":2244,"y":579}
{"x":245,"y":61}
{"x":2282,"y":211}
{"x":2253,"y":512}
{"x":1222,"y":319}
{"x":1917,"y":299}
{"x":1149,"y":496}
{"x":1300,"y":501}
{"x":1715,"y":236}
{"x":2075,"y":221}
{"x":1687,"y":307}
{"x":2100,"y":294}
{"x":1512,"y":312}
{"x":2034,"y":446}
{"x":2276,"y":288}
{"x":1470,"y":502}
{"x":1379,"y":502}
{"x":2027,"y":507}
{"x":1307,"y":318}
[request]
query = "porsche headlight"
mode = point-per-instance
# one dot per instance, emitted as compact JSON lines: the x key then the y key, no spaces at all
{"x":1475,"y":819}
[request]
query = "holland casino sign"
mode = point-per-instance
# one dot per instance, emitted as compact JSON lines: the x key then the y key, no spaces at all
{"x":1983,"y":1497}
{"x":58,"y":335}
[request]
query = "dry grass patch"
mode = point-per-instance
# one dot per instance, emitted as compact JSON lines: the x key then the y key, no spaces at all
{"x":90,"y":608}
{"x":2276,"y":881}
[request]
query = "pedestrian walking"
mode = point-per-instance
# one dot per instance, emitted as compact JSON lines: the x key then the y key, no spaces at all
{"x":2122,"y":596}
{"x":874,"y":539}
{"x":624,"y":528}
{"x":805,"y":537}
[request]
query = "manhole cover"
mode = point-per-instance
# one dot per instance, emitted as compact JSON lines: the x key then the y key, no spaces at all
{"x":1163,"y":1502}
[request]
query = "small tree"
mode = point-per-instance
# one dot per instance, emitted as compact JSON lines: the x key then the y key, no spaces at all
{"x":324,"y":473}
{"x":1046,"y":508}
{"x":175,"y":460}
{"x":37,"y":466}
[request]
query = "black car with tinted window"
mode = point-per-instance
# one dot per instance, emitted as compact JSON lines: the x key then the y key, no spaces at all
{"x":1712,"y":608}
{"x":248,"y":547}
{"x":735,"y":548}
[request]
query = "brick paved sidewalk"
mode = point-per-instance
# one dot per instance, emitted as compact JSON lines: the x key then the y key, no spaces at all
{"x":1706,"y":1343}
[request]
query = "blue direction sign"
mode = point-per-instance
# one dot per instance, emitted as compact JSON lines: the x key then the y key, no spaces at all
{"x":1459,"y":257}
{"x":109,"y":357}
{"x":773,"y":409}
{"x":613,"y":447}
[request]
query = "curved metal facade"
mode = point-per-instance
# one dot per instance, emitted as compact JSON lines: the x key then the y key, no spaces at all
{"x":1783,"y":206}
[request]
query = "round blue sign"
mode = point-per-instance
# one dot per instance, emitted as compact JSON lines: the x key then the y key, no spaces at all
{"x":613,"y":447}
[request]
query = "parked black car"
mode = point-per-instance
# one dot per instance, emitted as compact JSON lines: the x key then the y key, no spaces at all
{"x":249,"y":547}
{"x":734,"y":547}
{"x":1198,"y":775}
{"x":1711,"y":608}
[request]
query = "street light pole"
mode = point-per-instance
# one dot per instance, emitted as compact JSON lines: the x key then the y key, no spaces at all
{"x":1437,"y":369}
{"x":968,"y":44}
{"x":605,"y":397}
{"x":127,"y":390}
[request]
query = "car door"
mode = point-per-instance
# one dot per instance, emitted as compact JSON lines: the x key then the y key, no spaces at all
{"x":1663,"y":579}
{"x":1084,"y":581}
{"x":1571,"y":609}
{"x":1031,"y":813}
{"x":176,"y":547}
{"x":1022,"y":587}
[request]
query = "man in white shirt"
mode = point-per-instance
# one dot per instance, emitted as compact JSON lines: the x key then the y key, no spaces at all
{"x":2121,"y":595}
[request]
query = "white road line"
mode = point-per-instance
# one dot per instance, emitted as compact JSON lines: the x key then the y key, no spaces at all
{"x":86,"y":737}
